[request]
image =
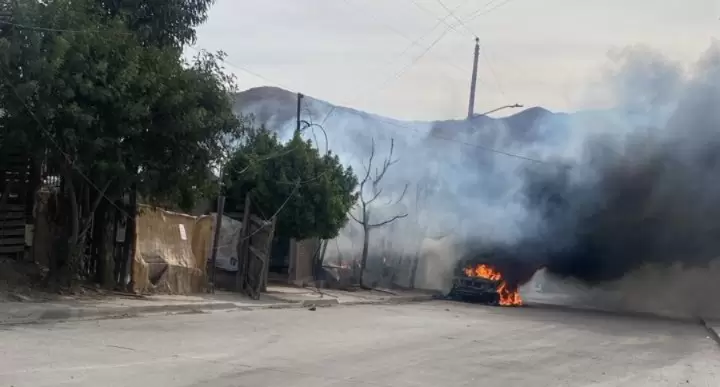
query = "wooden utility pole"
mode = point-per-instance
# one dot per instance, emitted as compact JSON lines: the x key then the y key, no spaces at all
{"x":299,"y":107}
{"x":130,"y":243}
{"x":216,"y":239}
{"x":242,"y":247}
{"x":473,"y":81}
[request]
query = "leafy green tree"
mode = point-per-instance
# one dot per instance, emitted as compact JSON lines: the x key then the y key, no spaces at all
{"x":310,"y":193}
{"x":163,"y":23}
{"x":109,"y":111}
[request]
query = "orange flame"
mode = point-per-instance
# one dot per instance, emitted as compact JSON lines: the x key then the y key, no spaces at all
{"x":508,"y":296}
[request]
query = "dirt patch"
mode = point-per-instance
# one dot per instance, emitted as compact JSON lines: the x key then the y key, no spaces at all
{"x":22,"y":281}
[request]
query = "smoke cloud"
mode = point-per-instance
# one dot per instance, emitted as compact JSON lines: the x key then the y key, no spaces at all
{"x":647,"y":197}
{"x":595,"y":195}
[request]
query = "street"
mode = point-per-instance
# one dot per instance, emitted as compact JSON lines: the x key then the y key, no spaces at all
{"x":420,"y":344}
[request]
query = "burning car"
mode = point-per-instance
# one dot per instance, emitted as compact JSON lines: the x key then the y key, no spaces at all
{"x":483,"y":283}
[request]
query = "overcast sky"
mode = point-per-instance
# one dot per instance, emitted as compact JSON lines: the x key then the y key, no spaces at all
{"x":359,"y":53}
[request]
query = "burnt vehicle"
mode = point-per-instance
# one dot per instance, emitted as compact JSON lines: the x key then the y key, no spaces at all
{"x":475,"y":289}
{"x":492,"y":275}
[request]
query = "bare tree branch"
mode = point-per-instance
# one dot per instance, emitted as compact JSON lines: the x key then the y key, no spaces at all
{"x":354,"y":218}
{"x":394,"y":218}
{"x":402,"y":195}
{"x":386,"y":164}
{"x":93,"y":208}
{"x":374,"y":196}
{"x":367,"y":170}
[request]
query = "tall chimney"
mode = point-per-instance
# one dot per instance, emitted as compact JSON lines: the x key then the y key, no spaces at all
{"x":473,"y":81}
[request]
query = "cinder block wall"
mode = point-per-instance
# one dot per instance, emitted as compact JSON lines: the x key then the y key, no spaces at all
{"x":303,"y":251}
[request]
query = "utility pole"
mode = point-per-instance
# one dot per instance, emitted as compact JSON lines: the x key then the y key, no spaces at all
{"x":216,"y":236}
{"x":299,"y":106}
{"x":473,"y":81}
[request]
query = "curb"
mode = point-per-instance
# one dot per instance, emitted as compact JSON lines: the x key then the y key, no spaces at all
{"x":392,"y":301}
{"x":55,"y":314}
{"x":711,"y":332}
{"x":320,"y":303}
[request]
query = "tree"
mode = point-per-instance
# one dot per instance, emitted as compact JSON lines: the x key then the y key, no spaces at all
{"x":162,"y":23}
{"x":108,"y":110}
{"x":310,"y":193}
{"x":368,"y":193}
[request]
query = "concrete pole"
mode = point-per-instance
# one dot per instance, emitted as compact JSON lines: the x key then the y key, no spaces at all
{"x":473,"y":81}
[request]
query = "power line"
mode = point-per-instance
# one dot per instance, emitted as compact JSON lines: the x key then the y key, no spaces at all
{"x":415,"y":60}
{"x":492,"y":71}
{"x":472,"y":33}
{"x":334,"y":107}
{"x":244,"y":69}
{"x":441,"y":20}
{"x":49,"y":29}
{"x":452,"y":13}
{"x":198,"y":50}
{"x":67,"y":157}
{"x":389,"y":27}
{"x":487,"y":11}
{"x":102,"y":191}
{"x":482,"y":147}
{"x":416,"y":42}
{"x":404,"y":69}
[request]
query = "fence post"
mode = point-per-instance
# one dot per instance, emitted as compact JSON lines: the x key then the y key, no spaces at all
{"x":216,"y":239}
{"x":242,"y":246}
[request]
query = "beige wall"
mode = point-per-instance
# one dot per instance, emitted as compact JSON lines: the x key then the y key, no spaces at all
{"x":301,"y":260}
{"x":160,"y":239}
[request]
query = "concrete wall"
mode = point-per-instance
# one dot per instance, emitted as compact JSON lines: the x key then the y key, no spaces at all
{"x":301,"y":260}
{"x":438,"y":258}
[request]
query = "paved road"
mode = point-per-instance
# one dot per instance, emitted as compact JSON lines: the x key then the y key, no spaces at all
{"x":426,"y":344}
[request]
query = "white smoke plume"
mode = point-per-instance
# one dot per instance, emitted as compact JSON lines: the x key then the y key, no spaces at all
{"x":468,"y":191}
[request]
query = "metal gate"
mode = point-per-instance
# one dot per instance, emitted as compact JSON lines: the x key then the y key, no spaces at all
{"x":254,"y":253}
{"x":17,"y":186}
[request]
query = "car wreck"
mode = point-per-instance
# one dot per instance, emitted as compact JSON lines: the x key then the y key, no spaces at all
{"x":475,"y":289}
{"x":482,"y":283}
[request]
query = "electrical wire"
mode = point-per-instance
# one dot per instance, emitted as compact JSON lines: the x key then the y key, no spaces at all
{"x":487,"y":11}
{"x":334,"y":107}
{"x":401,"y":72}
{"x":492,"y":71}
{"x":90,"y":182}
{"x":452,"y":14}
{"x":67,"y":157}
{"x":442,"y":20}
{"x":244,"y":69}
{"x":48,"y":29}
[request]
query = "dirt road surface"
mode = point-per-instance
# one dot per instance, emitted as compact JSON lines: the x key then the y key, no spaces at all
{"x":422,"y":344}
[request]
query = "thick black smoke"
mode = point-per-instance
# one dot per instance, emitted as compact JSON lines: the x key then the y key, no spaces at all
{"x":648,"y":197}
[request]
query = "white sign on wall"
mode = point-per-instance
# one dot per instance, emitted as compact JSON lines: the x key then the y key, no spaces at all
{"x":183,"y":234}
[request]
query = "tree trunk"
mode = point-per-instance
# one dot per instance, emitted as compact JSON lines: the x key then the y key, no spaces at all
{"x":130,"y":239}
{"x":413,"y":270}
{"x":72,"y":261}
{"x":104,"y":241}
{"x":363,"y":260}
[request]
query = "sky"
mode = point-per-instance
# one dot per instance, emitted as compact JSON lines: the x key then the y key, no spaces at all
{"x":412,"y":60}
